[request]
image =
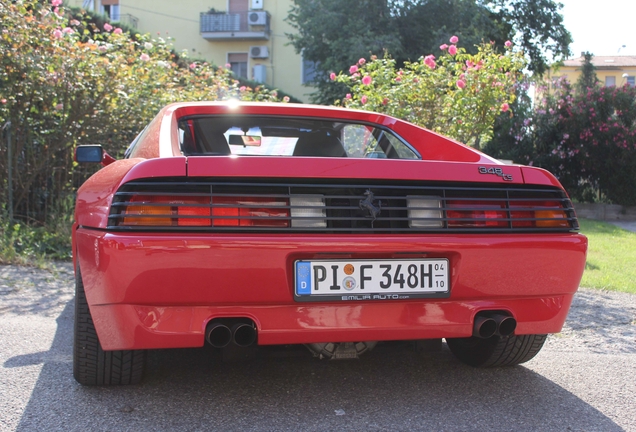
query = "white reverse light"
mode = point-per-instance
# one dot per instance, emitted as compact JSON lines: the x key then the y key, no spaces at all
{"x":308,"y":211}
{"x":424,"y":211}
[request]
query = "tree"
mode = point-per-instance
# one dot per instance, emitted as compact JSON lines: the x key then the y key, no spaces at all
{"x":587,"y":139}
{"x":588,"y":79}
{"x":334,"y":36}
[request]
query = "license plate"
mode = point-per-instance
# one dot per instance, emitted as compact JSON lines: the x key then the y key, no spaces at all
{"x":371,"y":279}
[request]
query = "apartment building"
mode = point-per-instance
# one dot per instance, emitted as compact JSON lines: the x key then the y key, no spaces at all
{"x":249,"y":35}
{"x":611,"y":70}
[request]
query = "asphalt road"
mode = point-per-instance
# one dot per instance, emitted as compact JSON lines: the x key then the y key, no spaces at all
{"x":583,"y":379}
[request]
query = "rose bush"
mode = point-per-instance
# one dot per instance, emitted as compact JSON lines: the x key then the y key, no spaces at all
{"x":457,"y":94}
{"x":64,"y":82}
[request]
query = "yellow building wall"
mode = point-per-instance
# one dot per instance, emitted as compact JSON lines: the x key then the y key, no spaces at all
{"x":180,"y":21}
{"x":573,"y":74}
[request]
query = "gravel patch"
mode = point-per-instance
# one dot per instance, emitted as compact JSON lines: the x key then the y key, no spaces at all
{"x":599,"y":322}
{"x":30,"y":290}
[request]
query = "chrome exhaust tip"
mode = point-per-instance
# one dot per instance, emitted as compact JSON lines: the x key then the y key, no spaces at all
{"x":506,"y":325}
{"x":243,"y":335}
{"x":218,"y":335}
{"x":484,"y":327}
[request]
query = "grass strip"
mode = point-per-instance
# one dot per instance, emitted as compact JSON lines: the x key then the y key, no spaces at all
{"x":611,"y":257}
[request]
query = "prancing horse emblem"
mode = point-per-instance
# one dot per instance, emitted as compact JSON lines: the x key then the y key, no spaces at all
{"x":367,"y":204}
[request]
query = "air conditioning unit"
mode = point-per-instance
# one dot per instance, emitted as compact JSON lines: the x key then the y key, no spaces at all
{"x":259,"y":73}
{"x":257,"y":4}
{"x":257,"y":17}
{"x":259,"y":52}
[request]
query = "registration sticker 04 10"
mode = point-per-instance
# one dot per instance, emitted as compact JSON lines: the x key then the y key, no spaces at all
{"x":322,"y":280}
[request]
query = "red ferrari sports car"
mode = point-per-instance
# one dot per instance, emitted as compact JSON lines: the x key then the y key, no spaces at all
{"x":248,"y":224}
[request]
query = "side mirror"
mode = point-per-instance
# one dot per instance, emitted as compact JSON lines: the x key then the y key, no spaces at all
{"x":92,"y":153}
{"x":89,"y":154}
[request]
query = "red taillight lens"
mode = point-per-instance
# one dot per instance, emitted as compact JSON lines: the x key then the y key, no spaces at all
{"x":250,"y":211}
{"x":164,"y":210}
{"x":494,"y":214}
{"x":544,"y":214}
{"x":469,"y":213}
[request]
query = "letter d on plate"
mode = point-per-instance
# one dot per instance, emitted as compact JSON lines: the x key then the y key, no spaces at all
{"x":303,"y":278}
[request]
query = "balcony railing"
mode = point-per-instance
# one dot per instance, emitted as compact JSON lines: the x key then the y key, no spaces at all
{"x":128,"y":19}
{"x":253,"y":25}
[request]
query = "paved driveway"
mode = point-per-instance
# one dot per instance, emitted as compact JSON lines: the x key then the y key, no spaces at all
{"x":582,"y":380}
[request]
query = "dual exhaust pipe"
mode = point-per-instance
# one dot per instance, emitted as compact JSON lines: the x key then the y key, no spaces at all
{"x":220,"y":334}
{"x":489,"y":324}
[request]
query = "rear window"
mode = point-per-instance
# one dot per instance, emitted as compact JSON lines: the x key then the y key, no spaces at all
{"x":275,"y":136}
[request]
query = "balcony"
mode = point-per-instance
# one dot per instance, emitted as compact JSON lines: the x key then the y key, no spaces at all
{"x":127,"y":19}
{"x":249,"y":25}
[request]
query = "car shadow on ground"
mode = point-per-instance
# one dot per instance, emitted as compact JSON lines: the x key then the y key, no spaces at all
{"x":395,"y":389}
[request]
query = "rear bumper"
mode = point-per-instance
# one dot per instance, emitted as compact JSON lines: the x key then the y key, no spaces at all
{"x":160,"y":290}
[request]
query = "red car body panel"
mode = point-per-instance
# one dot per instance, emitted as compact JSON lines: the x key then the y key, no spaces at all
{"x":159,"y":290}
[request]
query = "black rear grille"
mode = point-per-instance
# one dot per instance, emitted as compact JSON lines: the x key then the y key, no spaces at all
{"x":348,"y":207}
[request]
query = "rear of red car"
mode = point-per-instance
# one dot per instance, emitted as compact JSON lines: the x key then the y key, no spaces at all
{"x":335,"y":252}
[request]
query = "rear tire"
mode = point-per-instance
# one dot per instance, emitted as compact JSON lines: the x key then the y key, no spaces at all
{"x":91,"y":364}
{"x":496,"y":351}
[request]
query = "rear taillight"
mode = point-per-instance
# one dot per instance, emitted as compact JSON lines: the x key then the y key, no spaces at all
{"x":539,"y":214}
{"x":250,"y":212}
{"x":495,"y":214}
{"x":165,"y":210}
{"x":469,"y":213}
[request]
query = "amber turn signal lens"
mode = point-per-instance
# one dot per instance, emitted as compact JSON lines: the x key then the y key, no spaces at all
{"x":162,"y":210}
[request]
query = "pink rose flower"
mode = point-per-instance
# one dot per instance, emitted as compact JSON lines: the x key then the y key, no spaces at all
{"x":108,"y":27}
{"x":3,"y":101}
{"x":366,"y":80}
{"x":67,"y":30}
{"x":242,"y":88}
{"x":144,"y":57}
{"x":508,"y":44}
{"x":461,"y":83}
{"x":505,"y":107}
{"x":118,"y":31}
{"x":398,"y":79}
{"x":59,"y":107}
{"x":374,"y":57}
{"x":364,"y":99}
{"x":102,"y":49}
{"x":332,"y":75}
{"x":74,"y":22}
{"x":353,"y":69}
{"x":452,"y":50}
{"x":228,"y":66}
{"x":443,"y":47}
{"x":286,"y":99}
{"x":454,"y":39}
{"x":362,"y":61}
{"x":348,"y":96}
{"x":385,"y":101}
{"x":429,"y":61}
{"x":193,"y":66}
{"x":56,"y":3}
{"x":57,"y":34}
